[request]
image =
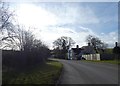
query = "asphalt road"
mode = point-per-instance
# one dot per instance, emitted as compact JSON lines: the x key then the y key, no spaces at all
{"x":79,"y":72}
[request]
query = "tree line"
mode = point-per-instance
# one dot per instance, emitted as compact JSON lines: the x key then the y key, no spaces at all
{"x":62,"y":44}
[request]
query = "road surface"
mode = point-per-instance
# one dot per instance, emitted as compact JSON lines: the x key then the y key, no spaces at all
{"x":79,"y":72}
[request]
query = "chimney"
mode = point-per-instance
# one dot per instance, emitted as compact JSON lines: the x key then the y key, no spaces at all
{"x":77,"y":46}
{"x":115,"y":44}
{"x":88,"y":44}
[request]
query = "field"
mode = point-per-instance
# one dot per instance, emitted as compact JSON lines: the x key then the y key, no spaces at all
{"x":42,"y":74}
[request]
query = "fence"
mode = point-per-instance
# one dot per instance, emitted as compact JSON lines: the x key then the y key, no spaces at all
{"x":92,"y":57}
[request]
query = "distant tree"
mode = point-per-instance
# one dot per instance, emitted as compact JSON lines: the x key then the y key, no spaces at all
{"x":61,"y":46}
{"x":64,"y":42}
{"x":96,"y":43}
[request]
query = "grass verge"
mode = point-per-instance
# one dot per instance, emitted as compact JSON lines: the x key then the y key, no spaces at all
{"x":43,"y":74}
{"x":105,"y":61}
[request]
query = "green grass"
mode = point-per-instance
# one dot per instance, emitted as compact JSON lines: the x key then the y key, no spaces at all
{"x":43,"y":74}
{"x":105,"y":61}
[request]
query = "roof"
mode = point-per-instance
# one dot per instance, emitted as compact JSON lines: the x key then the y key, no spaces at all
{"x":77,"y":50}
{"x":88,"y":49}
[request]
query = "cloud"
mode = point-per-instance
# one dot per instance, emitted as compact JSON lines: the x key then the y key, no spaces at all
{"x":60,"y":1}
{"x":110,"y":38}
{"x":31,"y":15}
{"x":54,"y":20}
{"x":73,"y":13}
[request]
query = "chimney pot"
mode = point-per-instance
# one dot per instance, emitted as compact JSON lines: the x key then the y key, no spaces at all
{"x":88,"y":44}
{"x":116,"y":44}
{"x":77,"y":46}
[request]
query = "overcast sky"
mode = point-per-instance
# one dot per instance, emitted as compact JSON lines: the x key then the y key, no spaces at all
{"x":72,"y":19}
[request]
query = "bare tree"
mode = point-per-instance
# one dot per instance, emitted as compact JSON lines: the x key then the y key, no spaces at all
{"x":14,"y":39}
{"x":24,"y":39}
{"x":6,"y":17}
{"x":62,"y":45}
{"x":6,"y":25}
{"x":96,"y":43}
{"x":63,"y":42}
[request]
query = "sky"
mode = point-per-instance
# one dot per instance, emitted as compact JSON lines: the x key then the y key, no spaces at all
{"x":77,"y":20}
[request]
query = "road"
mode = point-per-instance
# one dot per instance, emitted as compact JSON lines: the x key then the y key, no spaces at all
{"x":79,"y":72}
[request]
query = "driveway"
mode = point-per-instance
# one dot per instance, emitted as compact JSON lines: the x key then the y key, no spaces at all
{"x":79,"y":72}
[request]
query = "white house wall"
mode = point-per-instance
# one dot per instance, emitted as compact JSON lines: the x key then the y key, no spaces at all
{"x":92,"y":57}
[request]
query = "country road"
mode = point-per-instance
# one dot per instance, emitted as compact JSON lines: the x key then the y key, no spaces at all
{"x":79,"y":72}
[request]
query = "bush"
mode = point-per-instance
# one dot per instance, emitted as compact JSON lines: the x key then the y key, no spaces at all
{"x":22,"y":59}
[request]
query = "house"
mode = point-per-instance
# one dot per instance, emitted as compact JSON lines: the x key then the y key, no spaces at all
{"x":76,"y":53}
